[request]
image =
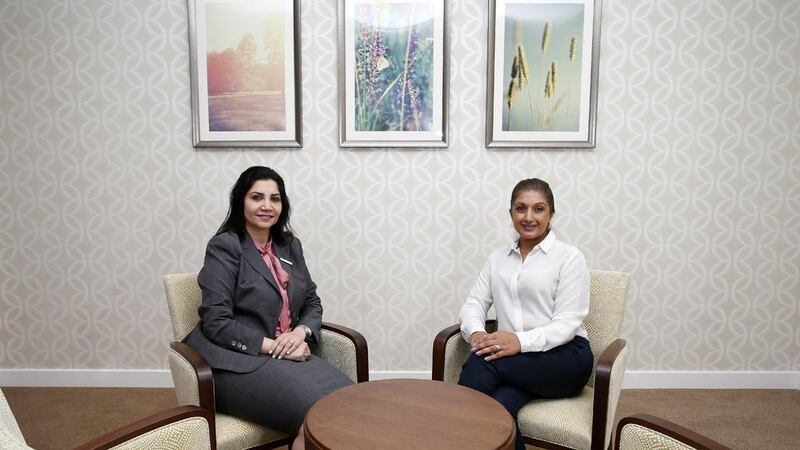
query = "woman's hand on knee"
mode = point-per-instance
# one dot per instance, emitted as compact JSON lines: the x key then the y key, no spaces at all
{"x":497,"y":345}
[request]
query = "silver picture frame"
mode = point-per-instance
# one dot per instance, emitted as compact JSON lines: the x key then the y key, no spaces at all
{"x":367,"y":116}
{"x":251,"y":96}
{"x":527,"y":104}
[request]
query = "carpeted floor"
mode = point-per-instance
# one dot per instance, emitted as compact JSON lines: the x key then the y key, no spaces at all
{"x":62,"y":418}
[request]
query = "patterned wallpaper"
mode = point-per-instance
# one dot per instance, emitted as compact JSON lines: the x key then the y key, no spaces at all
{"x":694,"y":186}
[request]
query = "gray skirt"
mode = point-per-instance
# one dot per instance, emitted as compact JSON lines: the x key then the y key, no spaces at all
{"x":278,"y":394}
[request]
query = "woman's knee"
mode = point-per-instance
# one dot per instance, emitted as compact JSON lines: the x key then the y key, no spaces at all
{"x":511,"y":398}
{"x":478,"y":374}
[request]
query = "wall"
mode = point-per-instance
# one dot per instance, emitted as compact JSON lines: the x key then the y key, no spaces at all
{"x":694,"y":186}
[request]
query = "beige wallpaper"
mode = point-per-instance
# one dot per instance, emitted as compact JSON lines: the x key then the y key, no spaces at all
{"x":694,"y":186}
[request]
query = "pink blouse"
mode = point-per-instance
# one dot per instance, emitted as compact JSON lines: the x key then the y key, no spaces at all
{"x":282,"y":278}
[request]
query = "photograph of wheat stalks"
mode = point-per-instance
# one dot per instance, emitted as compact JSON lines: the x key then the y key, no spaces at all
{"x":542,"y":67}
{"x":393,"y":76}
{"x":245,"y":67}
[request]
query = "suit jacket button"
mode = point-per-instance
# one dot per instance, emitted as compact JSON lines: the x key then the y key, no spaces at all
{"x":233,"y":343}
{"x":239,"y":344}
{"x":244,"y":347}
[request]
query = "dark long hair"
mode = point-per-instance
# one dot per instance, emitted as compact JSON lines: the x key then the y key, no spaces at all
{"x":281,"y":231}
{"x":535,"y":184}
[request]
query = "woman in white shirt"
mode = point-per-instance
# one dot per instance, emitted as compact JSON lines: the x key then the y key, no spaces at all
{"x":539,"y":287}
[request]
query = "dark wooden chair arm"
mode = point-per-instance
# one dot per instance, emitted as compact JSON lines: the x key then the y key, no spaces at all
{"x":439,"y":346}
{"x":148,"y":424}
{"x":602,"y":384}
{"x":360,"y":343}
{"x":670,"y":429}
{"x":205,"y":382}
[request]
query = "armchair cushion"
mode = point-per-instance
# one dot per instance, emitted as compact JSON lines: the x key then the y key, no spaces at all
{"x":564,"y":421}
{"x":234,"y":433}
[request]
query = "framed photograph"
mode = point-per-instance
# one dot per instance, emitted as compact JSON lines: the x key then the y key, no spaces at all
{"x":245,"y":70}
{"x":542,"y":73}
{"x":393,"y":72}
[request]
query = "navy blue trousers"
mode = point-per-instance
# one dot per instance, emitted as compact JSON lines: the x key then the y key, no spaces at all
{"x":515,"y":380}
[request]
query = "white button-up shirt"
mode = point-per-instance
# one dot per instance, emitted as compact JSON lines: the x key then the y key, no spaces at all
{"x":543,"y":299}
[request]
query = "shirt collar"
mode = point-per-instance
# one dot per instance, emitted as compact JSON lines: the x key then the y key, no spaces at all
{"x":266,"y":248}
{"x":546,"y":245}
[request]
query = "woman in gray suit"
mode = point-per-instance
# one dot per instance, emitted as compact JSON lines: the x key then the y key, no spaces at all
{"x":261,"y":311}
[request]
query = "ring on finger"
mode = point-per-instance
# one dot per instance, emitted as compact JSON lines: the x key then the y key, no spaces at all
{"x":496,"y":348}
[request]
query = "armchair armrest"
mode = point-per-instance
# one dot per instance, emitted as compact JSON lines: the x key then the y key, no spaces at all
{"x":602,"y":390}
{"x":184,"y":427}
{"x":204,"y":380}
{"x":359,"y":344}
{"x":439,"y":347}
{"x":458,"y":352}
{"x":669,"y":429}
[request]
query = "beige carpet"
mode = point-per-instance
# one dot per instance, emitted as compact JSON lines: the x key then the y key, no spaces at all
{"x":62,"y":418}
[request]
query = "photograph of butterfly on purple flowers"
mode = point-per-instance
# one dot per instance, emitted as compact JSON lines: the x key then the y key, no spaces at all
{"x":393,"y":73}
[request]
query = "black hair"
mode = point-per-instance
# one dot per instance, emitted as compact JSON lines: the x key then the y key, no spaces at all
{"x":535,"y":184}
{"x":281,"y":231}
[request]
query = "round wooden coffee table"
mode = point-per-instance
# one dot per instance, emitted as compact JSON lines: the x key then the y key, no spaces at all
{"x":403,"y":414}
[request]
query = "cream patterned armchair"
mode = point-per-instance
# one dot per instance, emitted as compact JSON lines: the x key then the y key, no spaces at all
{"x":177,"y":428}
{"x":344,"y":348}
{"x":586,"y":420}
{"x":645,"y":432}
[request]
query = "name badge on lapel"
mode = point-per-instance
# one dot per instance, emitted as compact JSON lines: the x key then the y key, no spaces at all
{"x":287,"y":261}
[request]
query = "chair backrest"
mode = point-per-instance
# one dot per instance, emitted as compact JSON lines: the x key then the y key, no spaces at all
{"x":183,"y":298}
{"x":10,"y":434}
{"x":608,"y":294}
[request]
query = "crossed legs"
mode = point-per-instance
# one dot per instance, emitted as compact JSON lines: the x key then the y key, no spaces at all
{"x":515,"y":380}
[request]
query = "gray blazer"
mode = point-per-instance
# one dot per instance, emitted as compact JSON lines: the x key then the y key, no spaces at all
{"x":241,"y":301}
